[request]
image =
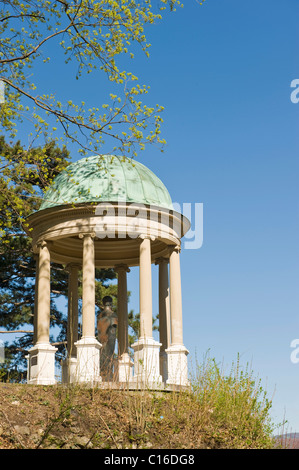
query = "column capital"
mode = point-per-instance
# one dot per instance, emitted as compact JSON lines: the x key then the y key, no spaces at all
{"x":86,"y":234}
{"x":176,"y":248}
{"x":143,"y":236}
{"x":69,"y":266}
{"x":44,"y":243}
{"x":121,"y":267}
{"x":161,"y":260}
{"x":35,"y":250}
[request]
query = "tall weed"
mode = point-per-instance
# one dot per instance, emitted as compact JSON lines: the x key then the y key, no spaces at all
{"x":235,"y":402}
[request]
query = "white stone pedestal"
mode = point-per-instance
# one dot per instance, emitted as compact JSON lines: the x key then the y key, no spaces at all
{"x":69,"y":370}
{"x":41,"y":364}
{"x":146,"y":362}
{"x":177,"y":365}
{"x":88,"y":361}
{"x":124,"y":367}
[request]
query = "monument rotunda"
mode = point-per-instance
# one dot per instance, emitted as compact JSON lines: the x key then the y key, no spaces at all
{"x":103,"y":212}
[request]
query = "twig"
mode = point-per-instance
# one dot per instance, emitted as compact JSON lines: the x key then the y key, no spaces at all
{"x":59,"y":343}
{"x":111,"y":435}
{"x":12,"y":427}
{"x":51,"y":425}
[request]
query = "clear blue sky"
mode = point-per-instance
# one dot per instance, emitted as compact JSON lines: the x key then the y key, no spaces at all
{"x":223,"y":73}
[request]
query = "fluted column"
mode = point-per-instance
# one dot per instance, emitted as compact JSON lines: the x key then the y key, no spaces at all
{"x":176,"y":353}
{"x":88,"y":286}
{"x":122,"y":308}
{"x":124,"y":362}
{"x":164,"y":314}
{"x":43,"y":295}
{"x":41,"y":358}
{"x":88,"y":347}
{"x":146,"y":349}
{"x":145,"y":289}
{"x":176,"y":297}
{"x":35,"y":313}
{"x":72,"y":324}
{"x":69,"y":365}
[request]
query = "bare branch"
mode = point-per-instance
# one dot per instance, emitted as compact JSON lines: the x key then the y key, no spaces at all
{"x":22,"y":15}
{"x":15,"y":331}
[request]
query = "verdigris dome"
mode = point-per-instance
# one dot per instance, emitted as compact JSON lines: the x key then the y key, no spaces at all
{"x":107,"y":178}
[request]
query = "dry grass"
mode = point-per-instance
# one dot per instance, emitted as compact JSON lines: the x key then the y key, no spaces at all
{"x":220,"y":411}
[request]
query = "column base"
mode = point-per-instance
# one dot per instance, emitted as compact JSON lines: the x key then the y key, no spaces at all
{"x":41,"y":364}
{"x":88,"y":361}
{"x":124,"y":368}
{"x":177,"y":365}
{"x":146,"y":362}
{"x":69,"y":370}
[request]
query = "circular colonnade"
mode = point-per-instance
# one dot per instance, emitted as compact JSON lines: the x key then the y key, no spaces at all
{"x":109,"y":212}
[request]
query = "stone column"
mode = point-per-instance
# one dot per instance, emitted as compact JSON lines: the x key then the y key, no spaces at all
{"x":164,"y":315}
{"x":177,"y":353}
{"x":72,"y":327}
{"x":145,"y":289}
{"x":88,"y":287}
{"x":43,"y":298}
{"x":42,"y":356}
{"x":88,"y":347}
{"x":146,"y":349}
{"x":176,"y":297}
{"x":36,"y":257}
{"x":124,"y":362}
{"x":70,"y":364}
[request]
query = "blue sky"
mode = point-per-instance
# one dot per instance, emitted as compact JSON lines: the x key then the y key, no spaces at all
{"x":223,"y":73}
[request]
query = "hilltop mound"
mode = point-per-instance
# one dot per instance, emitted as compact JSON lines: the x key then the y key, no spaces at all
{"x":77,"y":417}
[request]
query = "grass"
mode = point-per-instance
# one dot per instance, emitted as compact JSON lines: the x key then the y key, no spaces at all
{"x":221,"y":410}
{"x":235,"y":404}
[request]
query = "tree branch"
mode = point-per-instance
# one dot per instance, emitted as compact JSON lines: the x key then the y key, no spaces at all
{"x":22,"y":15}
{"x":25,"y":56}
{"x":16,"y":331}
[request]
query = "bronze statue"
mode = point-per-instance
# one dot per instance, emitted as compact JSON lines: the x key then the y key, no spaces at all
{"x":106,"y":327}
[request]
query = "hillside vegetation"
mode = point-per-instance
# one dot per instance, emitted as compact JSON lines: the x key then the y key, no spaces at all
{"x":219,"y":411}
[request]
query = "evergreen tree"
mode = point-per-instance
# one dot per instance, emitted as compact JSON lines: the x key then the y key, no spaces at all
{"x":22,"y":182}
{"x":22,"y":186}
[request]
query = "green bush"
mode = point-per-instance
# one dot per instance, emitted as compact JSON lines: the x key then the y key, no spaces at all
{"x":234,"y":403}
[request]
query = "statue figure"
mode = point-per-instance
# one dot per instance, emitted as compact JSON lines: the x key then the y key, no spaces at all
{"x":106,"y":328}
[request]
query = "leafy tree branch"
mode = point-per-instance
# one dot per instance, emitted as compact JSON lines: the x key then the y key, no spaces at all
{"x":93,"y":34}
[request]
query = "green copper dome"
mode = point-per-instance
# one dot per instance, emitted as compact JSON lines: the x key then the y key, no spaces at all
{"x":107,"y":178}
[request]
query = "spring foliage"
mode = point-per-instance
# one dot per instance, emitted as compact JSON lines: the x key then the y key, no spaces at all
{"x":93,"y":35}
